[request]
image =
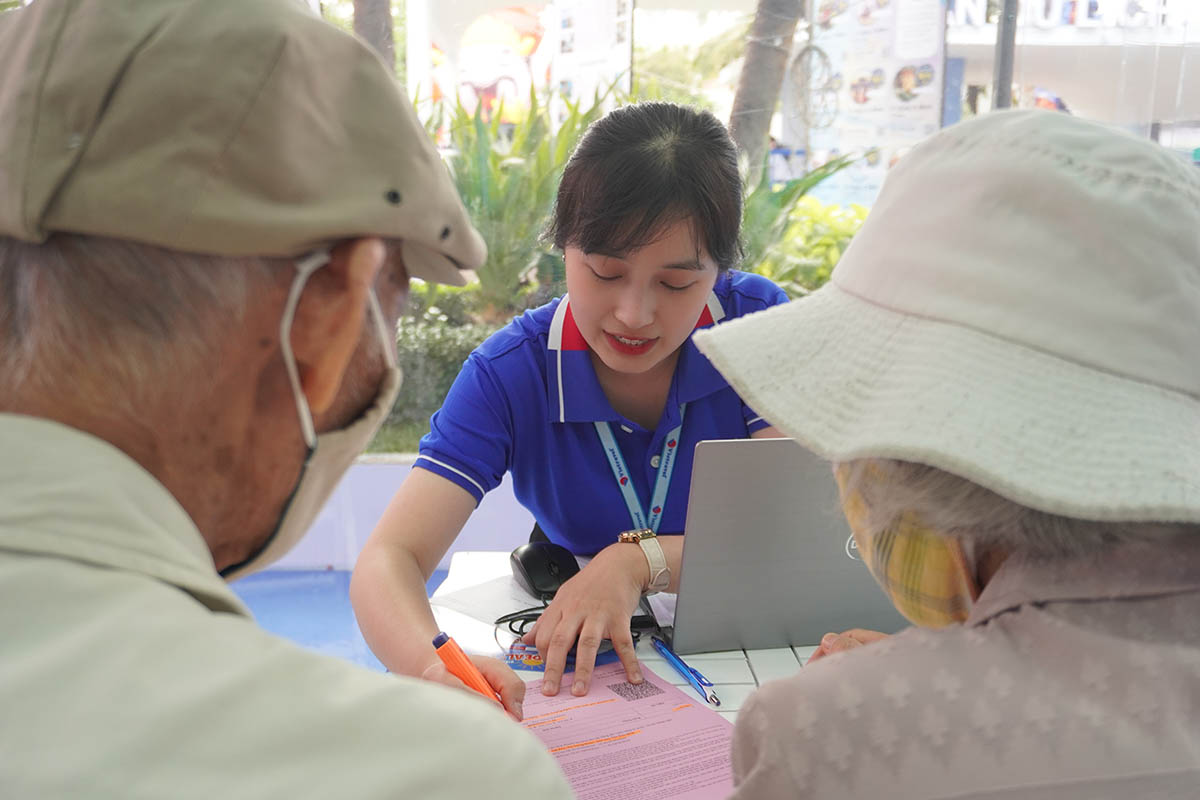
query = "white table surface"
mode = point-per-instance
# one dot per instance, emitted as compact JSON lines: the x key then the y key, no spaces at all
{"x":734,"y":673}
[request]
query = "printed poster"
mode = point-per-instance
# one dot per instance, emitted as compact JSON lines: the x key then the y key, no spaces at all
{"x":874,"y":87}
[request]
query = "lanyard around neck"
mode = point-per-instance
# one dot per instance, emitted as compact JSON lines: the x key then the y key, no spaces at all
{"x":666,"y":465}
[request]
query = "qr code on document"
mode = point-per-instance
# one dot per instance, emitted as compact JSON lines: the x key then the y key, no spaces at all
{"x":635,"y":691}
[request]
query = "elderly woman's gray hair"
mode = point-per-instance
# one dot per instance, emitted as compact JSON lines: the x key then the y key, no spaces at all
{"x":955,"y":506}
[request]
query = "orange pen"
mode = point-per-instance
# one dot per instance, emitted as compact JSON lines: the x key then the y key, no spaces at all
{"x":462,"y":667}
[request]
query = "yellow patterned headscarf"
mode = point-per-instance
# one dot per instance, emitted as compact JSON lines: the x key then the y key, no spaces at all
{"x":924,"y":573}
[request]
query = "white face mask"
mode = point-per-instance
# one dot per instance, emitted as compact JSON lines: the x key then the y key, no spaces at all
{"x":330,"y":454}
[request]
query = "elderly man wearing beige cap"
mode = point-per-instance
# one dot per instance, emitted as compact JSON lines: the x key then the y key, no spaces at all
{"x":1005,"y":371}
{"x":209,"y":212}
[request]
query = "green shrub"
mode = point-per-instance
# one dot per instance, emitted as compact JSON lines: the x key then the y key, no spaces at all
{"x":811,"y":242}
{"x":431,"y":352}
{"x":398,"y":438}
{"x":767,"y":217}
{"x":433,"y":339}
{"x":435,"y":302}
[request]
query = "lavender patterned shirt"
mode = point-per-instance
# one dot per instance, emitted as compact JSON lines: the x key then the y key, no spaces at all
{"x":1071,"y":679}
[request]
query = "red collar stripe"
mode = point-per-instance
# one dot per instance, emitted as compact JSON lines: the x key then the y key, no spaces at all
{"x":564,"y":333}
{"x":712,"y":312}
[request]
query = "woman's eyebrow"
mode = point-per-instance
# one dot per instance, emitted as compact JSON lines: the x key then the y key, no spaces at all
{"x":692,"y":265}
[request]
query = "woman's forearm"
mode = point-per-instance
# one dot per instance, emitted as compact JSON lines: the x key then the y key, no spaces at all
{"x":387,"y":589}
{"x":387,"y":592}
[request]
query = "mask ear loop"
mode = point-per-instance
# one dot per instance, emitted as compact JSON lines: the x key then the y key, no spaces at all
{"x":305,"y":267}
{"x":388,"y":342}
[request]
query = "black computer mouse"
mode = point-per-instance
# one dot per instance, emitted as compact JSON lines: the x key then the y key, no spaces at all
{"x":541,"y":567}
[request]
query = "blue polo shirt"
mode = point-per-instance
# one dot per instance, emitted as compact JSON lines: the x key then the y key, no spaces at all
{"x":526,"y":402}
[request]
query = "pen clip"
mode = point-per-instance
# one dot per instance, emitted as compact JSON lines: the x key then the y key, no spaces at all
{"x":694,"y":676}
{"x":705,"y":687}
{"x":703,"y":680}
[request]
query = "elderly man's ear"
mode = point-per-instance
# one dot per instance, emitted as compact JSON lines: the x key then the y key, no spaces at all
{"x":329,"y":318}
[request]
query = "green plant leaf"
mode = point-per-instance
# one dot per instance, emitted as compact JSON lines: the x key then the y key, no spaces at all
{"x":507,"y":175}
{"x":812,"y":242}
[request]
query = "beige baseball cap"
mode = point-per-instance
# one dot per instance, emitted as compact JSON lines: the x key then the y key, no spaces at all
{"x":225,"y":127}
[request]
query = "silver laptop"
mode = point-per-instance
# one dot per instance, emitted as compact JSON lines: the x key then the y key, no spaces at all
{"x":768,"y":559}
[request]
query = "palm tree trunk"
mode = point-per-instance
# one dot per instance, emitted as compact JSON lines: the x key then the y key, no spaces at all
{"x":373,"y":22}
{"x":767,"y":53}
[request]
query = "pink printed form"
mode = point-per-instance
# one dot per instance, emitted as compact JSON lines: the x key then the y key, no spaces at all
{"x":634,"y":741}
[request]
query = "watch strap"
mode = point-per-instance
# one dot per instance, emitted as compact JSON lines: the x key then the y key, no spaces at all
{"x":660,"y":573}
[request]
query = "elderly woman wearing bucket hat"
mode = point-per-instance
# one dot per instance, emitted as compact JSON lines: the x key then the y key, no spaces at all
{"x":1005,"y":372}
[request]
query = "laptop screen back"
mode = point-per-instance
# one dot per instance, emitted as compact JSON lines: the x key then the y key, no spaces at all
{"x":768,"y":559}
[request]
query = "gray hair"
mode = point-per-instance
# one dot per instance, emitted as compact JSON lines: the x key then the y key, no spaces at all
{"x":138,"y":316}
{"x":955,"y":506}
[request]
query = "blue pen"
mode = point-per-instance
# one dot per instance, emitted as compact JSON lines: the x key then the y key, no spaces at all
{"x":700,"y":683}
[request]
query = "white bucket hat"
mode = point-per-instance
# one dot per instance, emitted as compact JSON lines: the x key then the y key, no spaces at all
{"x":1021,"y":308}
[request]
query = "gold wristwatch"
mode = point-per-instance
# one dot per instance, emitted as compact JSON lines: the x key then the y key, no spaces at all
{"x":660,"y":574}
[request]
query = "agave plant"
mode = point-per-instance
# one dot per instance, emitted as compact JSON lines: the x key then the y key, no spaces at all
{"x":507,"y":176}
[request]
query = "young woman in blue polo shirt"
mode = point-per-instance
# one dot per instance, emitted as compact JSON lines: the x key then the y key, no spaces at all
{"x":594,"y":402}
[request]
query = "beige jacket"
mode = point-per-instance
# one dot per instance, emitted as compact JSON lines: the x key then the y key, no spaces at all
{"x":129,"y":669}
{"x":1071,"y":680}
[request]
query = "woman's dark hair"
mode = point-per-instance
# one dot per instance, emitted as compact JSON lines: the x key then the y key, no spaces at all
{"x":642,"y":168}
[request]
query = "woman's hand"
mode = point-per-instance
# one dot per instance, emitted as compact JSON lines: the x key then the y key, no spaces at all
{"x":501,"y":677}
{"x":594,"y":605}
{"x":846,"y":640}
